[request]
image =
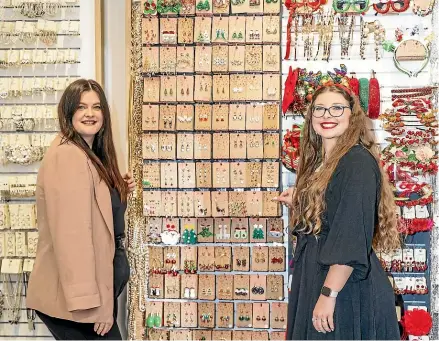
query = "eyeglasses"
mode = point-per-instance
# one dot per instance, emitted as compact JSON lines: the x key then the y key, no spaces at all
{"x":334,"y":111}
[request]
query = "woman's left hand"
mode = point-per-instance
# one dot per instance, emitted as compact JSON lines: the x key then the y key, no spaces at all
{"x":323,"y":314}
{"x":130,"y":182}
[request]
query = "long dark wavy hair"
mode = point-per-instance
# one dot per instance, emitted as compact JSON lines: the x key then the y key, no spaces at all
{"x":309,"y":197}
{"x":102,"y":154}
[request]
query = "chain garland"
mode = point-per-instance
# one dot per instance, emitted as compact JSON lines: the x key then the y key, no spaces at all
{"x":137,"y":249}
{"x":434,"y":237}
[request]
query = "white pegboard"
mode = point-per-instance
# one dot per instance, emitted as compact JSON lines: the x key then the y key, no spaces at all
{"x":84,"y":12}
{"x":387,"y":74}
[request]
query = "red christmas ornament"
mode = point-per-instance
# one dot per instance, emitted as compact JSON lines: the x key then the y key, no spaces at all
{"x":417,"y":322}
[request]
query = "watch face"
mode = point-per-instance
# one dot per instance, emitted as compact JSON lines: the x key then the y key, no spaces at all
{"x":326,"y":291}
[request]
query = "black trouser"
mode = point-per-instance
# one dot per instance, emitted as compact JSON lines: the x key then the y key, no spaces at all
{"x":70,"y":330}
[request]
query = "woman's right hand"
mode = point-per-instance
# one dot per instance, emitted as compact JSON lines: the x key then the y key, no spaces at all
{"x":102,"y":328}
{"x":286,"y":197}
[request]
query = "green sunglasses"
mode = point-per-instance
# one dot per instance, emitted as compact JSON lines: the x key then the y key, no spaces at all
{"x":343,"y":6}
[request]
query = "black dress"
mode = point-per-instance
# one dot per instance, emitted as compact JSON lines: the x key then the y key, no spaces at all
{"x":365,"y":307}
{"x":120,"y":263}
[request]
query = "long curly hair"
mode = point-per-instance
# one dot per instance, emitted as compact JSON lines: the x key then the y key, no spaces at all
{"x":308,"y":198}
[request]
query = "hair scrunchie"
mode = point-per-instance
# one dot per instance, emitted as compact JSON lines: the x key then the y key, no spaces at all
{"x":364,"y":94}
{"x":374,"y":99}
{"x":354,"y":85}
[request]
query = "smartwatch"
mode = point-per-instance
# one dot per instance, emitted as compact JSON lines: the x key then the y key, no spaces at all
{"x":328,"y":292}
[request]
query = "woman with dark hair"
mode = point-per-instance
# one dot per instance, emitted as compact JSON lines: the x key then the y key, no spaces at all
{"x":81,"y":266}
{"x":342,"y":211}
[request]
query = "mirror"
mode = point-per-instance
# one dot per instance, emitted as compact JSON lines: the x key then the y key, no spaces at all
{"x":411,"y":56}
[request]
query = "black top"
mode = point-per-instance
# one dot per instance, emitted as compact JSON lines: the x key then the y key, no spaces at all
{"x":120,"y":262}
{"x":365,"y":308}
{"x":119,"y":209}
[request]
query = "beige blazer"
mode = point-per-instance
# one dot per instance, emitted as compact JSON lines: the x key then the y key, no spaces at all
{"x":72,"y":277}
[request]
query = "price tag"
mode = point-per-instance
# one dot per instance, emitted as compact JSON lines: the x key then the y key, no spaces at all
{"x":408,"y":255}
{"x":12,"y":266}
{"x":397,"y":255}
{"x":420,"y":255}
{"x":399,"y":283}
{"x":28,"y":265}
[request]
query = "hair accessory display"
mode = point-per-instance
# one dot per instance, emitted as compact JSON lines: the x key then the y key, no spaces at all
{"x":409,"y":49}
{"x":397,"y":6}
{"x":374,"y":97}
{"x":291,"y":148}
{"x":307,"y":83}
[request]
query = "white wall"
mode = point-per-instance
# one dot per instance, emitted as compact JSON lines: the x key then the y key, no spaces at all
{"x":114,"y":58}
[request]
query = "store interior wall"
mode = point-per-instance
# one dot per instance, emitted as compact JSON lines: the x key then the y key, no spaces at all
{"x":115,"y":80}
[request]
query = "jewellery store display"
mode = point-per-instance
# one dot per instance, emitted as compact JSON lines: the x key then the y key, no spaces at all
{"x":400,"y":99}
{"x":205,"y":141}
{"x":40,"y":55}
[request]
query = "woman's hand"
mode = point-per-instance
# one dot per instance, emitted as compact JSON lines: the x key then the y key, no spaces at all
{"x":286,"y":197}
{"x":130,"y":182}
{"x":102,"y":328}
{"x":323,"y":314}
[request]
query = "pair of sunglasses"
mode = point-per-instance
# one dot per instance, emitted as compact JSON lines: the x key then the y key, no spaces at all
{"x":343,"y":6}
{"x":398,"y":6}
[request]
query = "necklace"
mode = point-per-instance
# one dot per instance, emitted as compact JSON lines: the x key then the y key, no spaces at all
{"x":13,"y":297}
{"x":346,"y":34}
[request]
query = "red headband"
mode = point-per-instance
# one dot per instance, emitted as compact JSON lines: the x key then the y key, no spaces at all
{"x":341,"y":86}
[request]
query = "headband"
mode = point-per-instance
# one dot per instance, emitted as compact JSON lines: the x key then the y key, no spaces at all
{"x":338,"y":85}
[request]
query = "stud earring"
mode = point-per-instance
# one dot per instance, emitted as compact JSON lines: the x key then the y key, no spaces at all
{"x":192,"y":293}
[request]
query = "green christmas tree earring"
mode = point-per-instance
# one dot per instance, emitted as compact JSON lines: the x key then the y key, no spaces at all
{"x":200,"y":5}
{"x":185,"y":236}
{"x":192,"y":237}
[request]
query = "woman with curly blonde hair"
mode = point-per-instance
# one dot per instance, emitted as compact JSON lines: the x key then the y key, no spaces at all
{"x":342,"y":211}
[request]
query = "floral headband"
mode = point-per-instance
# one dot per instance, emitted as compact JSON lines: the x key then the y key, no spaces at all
{"x":301,"y":84}
{"x":338,"y":85}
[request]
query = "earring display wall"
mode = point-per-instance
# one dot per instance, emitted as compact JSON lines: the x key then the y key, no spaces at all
{"x":210,"y":131}
{"x":41,"y":53}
